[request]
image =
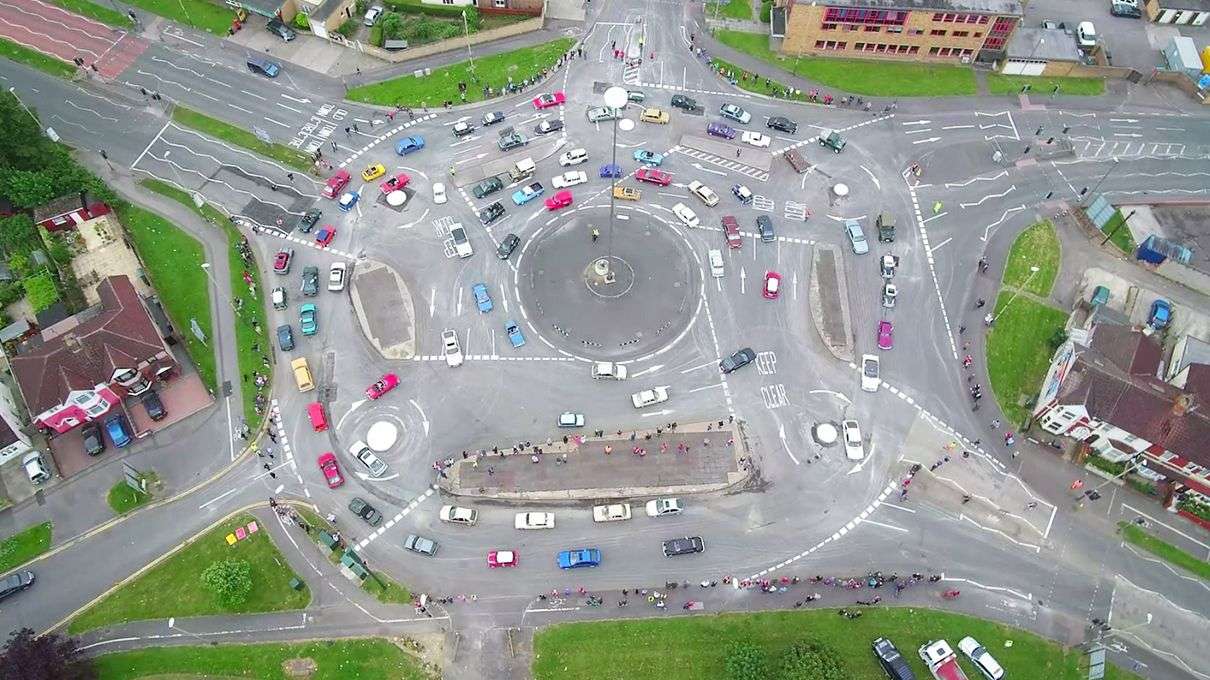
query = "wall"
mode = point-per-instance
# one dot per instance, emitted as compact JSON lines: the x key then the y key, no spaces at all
{"x":1073,"y":69}
{"x":459,"y":43}
{"x":1182,"y":82}
{"x":8,"y":411}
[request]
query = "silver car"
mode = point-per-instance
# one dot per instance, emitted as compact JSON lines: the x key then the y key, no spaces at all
{"x":366,"y":457}
{"x":856,"y":237}
{"x":600,"y":113}
{"x":420,"y":544}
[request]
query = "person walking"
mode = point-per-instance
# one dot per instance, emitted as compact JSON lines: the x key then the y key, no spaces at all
{"x":596,"y":234}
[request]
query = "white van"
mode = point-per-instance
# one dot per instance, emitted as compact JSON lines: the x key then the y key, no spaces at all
{"x":573,"y":157}
{"x":716,"y":263}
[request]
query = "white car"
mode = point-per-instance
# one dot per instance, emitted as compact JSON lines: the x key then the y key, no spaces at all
{"x":611,"y":513}
{"x":371,"y":17}
{"x":980,"y":658}
{"x":535,"y":520}
{"x":439,"y":193}
{"x":685,"y":215}
{"x":664,"y":506}
{"x":366,"y":457}
{"x":1086,"y":35}
{"x":336,"y":276}
{"x":569,"y":179}
{"x":462,"y":244}
{"x":573,"y":157}
{"x":453,"y":353}
{"x":649,"y":397}
{"x":715,"y":257}
{"x":571,"y":419}
{"x":870,"y":381}
{"x":755,"y":139}
{"x":457,"y":515}
{"x":704,"y":192}
{"x":853,"y":449}
{"x":735,"y":113}
{"x":463,"y":128}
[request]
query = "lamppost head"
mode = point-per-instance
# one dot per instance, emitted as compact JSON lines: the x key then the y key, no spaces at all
{"x":616,"y":97}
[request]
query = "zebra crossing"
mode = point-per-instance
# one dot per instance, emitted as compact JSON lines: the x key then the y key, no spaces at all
{"x":762,"y":204}
{"x":441,"y":227}
{"x":1092,"y":147}
{"x":793,"y":210}
{"x":754,"y":173}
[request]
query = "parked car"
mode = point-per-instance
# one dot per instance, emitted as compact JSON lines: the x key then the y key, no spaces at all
{"x":735,"y":113}
{"x":285,"y":337}
{"x":386,"y":383}
{"x":571,"y":419}
{"x":886,"y":335}
{"x":534,"y":520}
{"x":16,"y":582}
{"x":372,"y":15}
{"x":507,"y":245}
{"x":154,"y":405}
{"x":578,"y":557}
{"x":308,"y":319}
{"x":439,"y":193}
{"x":331,"y":470}
{"x":545,"y":101}
{"x":458,"y":515}
{"x":1125,"y":8}
{"x":483,"y":300}
{"x":1086,"y":36}
{"x":310,"y":281}
{"x":419,"y":544}
{"x":889,"y":294}
{"x":854,"y":449}
{"x":569,"y":179}
{"x":756,"y":139}
{"x":450,"y":348}
{"x":364,"y":510}
{"x":515,"y":337}
{"x":892,"y":662}
{"x":636,"y":96}
{"x":94,"y":443}
{"x":783,"y":124}
{"x":742,"y":193}
{"x":336,"y":276}
{"x":980,"y":658}
{"x":614,"y":512}
{"x":856,"y":236}
{"x":279,"y":29}
{"x":35,"y":467}
{"x":408,"y":145}
{"x":684,"y":546}
{"x":118,"y":429}
{"x":282,"y":261}
{"x":362,"y":454}
{"x":491,"y":213}
{"x":772,"y":286}
{"x":279,"y":298}
{"x":735,"y":239}
{"x":1161,"y":314}
{"x":870,"y":367}
{"x":649,"y":397}
{"x":664,"y":506}
{"x":764,"y":226}
{"x":528,"y":193}
{"x":737,"y":361}
{"x":887,"y":266}
{"x":323,"y":237}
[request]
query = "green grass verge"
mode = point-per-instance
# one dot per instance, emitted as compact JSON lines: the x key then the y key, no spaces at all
{"x":173,"y":260}
{"x":180,"y":575}
{"x":1019,"y":351}
{"x":105,"y":15}
{"x":24,"y":546}
{"x":240,"y":137}
{"x":208,"y":16}
{"x":732,"y":9}
{"x":251,"y":314}
{"x":693,"y":648}
{"x":1164,"y":550}
{"x":859,"y":76}
{"x":122,"y":499}
{"x":388,"y":590}
{"x":45,"y":63}
{"x":1122,"y":238}
{"x":1088,"y":87}
{"x":334,"y":660}
{"x":773,"y":89}
{"x":442,"y":84}
{"x":1037,"y":246}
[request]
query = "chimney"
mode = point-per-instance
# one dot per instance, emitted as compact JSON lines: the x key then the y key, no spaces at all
{"x":72,"y":343}
{"x":1182,"y":405}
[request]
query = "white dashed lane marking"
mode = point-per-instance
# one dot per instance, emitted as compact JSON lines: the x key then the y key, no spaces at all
{"x":395,"y":520}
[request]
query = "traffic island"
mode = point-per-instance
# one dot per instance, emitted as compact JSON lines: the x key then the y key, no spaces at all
{"x":384,"y":309}
{"x":829,"y":300}
{"x":690,"y":459}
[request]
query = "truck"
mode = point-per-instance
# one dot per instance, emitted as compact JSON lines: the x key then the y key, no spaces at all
{"x":603,"y":370}
{"x":941,"y":660}
{"x":611,"y":513}
{"x":886,"y":228}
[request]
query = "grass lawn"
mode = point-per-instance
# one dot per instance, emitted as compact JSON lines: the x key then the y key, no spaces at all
{"x":180,"y":575}
{"x":860,"y":76}
{"x":389,"y":591}
{"x":45,"y":63}
{"x":493,"y":71}
{"x":334,"y":660}
{"x":732,"y":9}
{"x":1164,"y":550}
{"x":24,"y":546}
{"x":689,"y":648}
{"x":208,"y":16}
{"x":1121,"y":237}
{"x":1002,"y":84}
{"x":105,"y":15}
{"x":240,"y":137}
{"x":1019,"y":351}
{"x":251,"y":309}
{"x":122,"y":499}
{"x":1038,"y":247}
{"x":174,"y":263}
{"x":773,"y":89}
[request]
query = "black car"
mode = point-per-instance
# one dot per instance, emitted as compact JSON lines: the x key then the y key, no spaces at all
{"x":782,"y":123}
{"x":512,"y":141}
{"x":680,"y":101}
{"x":493,"y":117}
{"x":463,"y":128}
{"x":94,"y":443}
{"x":1125,"y":8}
{"x":279,"y":29}
{"x":310,"y":281}
{"x":507,"y":246}
{"x":491,"y":213}
{"x":488,"y":186}
{"x":154,"y":406}
{"x":764,"y":224}
{"x":892,"y":662}
{"x":738,"y":360}
{"x":684,"y":546}
{"x":365,"y":511}
{"x":548,"y":126}
{"x":285,"y":337}
{"x":308,"y":221}
{"x":15,"y":583}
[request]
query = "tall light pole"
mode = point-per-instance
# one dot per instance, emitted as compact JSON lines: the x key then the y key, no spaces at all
{"x":1032,"y":271}
{"x":1089,"y":194}
{"x":615,"y":99}
{"x":172,"y":626}
{"x":467,"y":31}
{"x":13,"y":92}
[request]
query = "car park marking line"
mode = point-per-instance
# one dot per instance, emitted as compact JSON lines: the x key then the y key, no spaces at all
{"x":1011,"y":125}
{"x":415,"y":503}
{"x":885,"y":526}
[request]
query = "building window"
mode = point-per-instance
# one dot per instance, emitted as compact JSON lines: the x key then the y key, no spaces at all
{"x":894,"y":29}
{"x":994,"y":44}
{"x":873,"y":29}
{"x":819,"y":44}
{"x":937,"y":31}
{"x":933,"y":51}
{"x":978,"y":34}
{"x":961,"y":34}
{"x":500,"y":3}
{"x":914,"y":49}
{"x":915,"y":31}
{"x":828,"y":27}
{"x":983,"y":19}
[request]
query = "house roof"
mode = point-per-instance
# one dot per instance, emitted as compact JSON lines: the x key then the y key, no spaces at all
{"x":120,"y":335}
{"x":1197,"y":382}
{"x":1127,"y":349}
{"x":57,"y":206}
{"x":1009,"y":7}
{"x":7,"y":435}
{"x":1043,"y":44}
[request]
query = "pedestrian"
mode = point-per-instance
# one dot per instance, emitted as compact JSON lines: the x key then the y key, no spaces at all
{"x":596,"y":234}
{"x":355,"y":128}
{"x":706,"y":442}
{"x":266,"y":466}
{"x":491,"y":470}
{"x":996,"y":424}
{"x":976,"y":443}
{"x":737,"y":152}
{"x":273,"y":475}
{"x":348,"y":131}
{"x":333,"y":146}
{"x":979,"y":303}
{"x":272,"y":502}
{"x":966,"y":498}
{"x":273,"y":436}
{"x":1031,"y":505}
{"x":290,"y":176}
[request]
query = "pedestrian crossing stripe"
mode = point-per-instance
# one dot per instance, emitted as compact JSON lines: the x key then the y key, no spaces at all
{"x":311,"y":244}
{"x":754,"y":173}
{"x":383,"y":137}
{"x":415,"y":503}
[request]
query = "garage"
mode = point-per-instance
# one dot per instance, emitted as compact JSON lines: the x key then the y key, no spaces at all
{"x":1032,"y":50}
{"x":1180,"y":12}
{"x":1024,"y":67}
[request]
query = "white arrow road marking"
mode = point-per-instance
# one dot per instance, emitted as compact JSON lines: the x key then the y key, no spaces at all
{"x":304,"y":100}
{"x":424,"y":420}
{"x":651,"y":369}
{"x":781,"y":434}
{"x":857,"y":468}
{"x":664,"y":412}
{"x":926,"y":141}
{"x":743,"y":281}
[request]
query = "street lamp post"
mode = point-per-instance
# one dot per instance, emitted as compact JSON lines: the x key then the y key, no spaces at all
{"x":1089,"y":194}
{"x":615,"y":98}
{"x":467,"y":31}
{"x":172,"y":626}
{"x":1032,"y":272}
{"x":13,"y":92}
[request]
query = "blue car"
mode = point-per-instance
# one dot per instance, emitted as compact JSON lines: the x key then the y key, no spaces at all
{"x":611,"y":170}
{"x":1161,"y":314}
{"x":648,"y":157}
{"x":482,"y":299}
{"x":407,"y":145}
{"x":308,"y":319}
{"x":119,"y":431}
{"x":348,"y":200}
{"x":515,"y":336}
{"x":580,"y":557}
{"x":528,"y":193}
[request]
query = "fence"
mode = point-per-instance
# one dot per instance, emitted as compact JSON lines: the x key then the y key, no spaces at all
{"x":459,"y":43}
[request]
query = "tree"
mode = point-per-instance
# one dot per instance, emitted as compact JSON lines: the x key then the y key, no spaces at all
{"x":22,"y":146}
{"x":809,"y":660}
{"x":230,"y":581}
{"x":18,"y":234}
{"x":746,"y":661}
{"x":392,"y":25}
{"x":49,"y":657}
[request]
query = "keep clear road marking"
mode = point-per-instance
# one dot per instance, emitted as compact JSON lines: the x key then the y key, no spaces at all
{"x":395,"y":520}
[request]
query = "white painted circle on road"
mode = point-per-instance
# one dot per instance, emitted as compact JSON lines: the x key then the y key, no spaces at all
{"x":826,"y":434}
{"x":841,"y":189}
{"x":382,"y":436}
{"x":396,"y":199}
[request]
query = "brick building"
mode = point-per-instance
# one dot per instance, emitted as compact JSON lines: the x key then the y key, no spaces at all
{"x":959,"y":31}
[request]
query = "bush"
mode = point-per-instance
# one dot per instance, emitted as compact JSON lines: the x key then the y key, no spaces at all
{"x":746,"y":661}
{"x":766,"y":11}
{"x":1110,"y":467}
{"x":1191,"y":505}
{"x":10,"y":292}
{"x":809,"y":660}
{"x":18,"y":234}
{"x":348,"y":28}
{"x":376,"y":33}
{"x":391,"y":27}
{"x":426,"y":30}
{"x":41,"y":291}
{"x":230,"y":581}
{"x":57,"y":248}
{"x":302,"y":22}
{"x":1057,"y":338}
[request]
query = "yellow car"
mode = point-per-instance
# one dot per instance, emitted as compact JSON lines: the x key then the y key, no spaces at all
{"x":654,"y":116}
{"x":373,"y":172}
{"x":626,"y":193}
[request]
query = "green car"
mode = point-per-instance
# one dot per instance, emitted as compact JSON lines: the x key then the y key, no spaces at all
{"x":307,"y":319}
{"x":832,"y":140}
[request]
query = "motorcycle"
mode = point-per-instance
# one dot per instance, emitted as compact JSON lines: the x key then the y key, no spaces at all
{"x":951,"y":594}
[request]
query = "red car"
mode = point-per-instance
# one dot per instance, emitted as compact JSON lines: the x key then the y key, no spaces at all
{"x":561,"y":199}
{"x":886,"y":335}
{"x":281,"y":261}
{"x":654,"y":176}
{"x":772,"y":285}
{"x":386,"y":383}
{"x":545,"y":101}
{"x":502,"y":558}
{"x":336,"y":183}
{"x":327,"y":463}
{"x":395,"y":183}
{"x":324,"y":236}
{"x":735,"y":240}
